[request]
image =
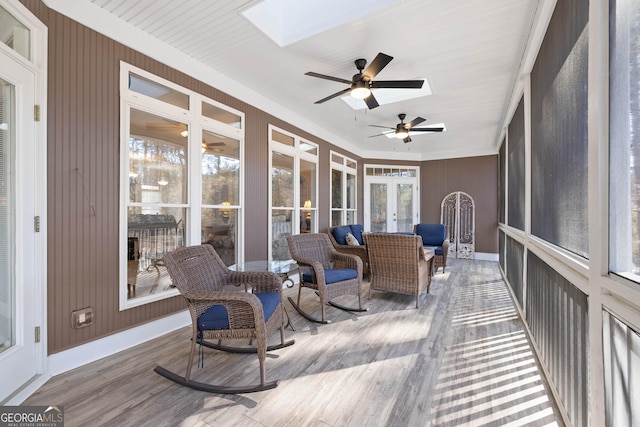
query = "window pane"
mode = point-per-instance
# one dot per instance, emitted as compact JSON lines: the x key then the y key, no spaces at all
{"x":220,"y":170}
{"x":158,"y":91}
{"x":336,"y":218}
{"x":351,"y":217}
{"x":378,"y":207}
{"x":624,"y":138}
{"x":351,"y":191}
{"x":308,"y":148}
{"x":336,"y":158}
{"x":219,"y":227}
{"x":404,"y":203}
{"x":7,"y":215}
{"x":281,"y":227}
{"x":15,"y":34}
{"x":307,"y":184}
{"x":220,"y":115}
{"x":151,"y":233}
{"x":336,"y":189}
{"x":282,"y":138}
{"x":282,"y":184}
{"x":157,"y":160}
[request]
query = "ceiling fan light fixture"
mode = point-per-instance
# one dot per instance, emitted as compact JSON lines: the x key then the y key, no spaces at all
{"x":359,"y":90}
{"x":401,"y":131}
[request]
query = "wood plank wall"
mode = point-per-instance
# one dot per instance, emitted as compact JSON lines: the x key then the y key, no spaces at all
{"x":476,"y":176}
{"x":83,"y":178}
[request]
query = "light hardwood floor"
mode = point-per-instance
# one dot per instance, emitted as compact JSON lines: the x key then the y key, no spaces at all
{"x":462,"y":358}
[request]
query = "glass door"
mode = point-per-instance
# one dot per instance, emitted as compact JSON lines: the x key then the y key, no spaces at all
{"x":391,"y":204}
{"x":17,"y":236}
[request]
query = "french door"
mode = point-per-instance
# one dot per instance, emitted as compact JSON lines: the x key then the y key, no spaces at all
{"x":19,"y":269}
{"x":391,"y":204}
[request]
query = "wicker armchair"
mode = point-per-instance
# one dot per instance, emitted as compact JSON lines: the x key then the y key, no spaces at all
{"x":434,"y":236}
{"x":329,"y":272}
{"x":399,"y":263}
{"x":360,"y":251}
{"x":219,"y":313}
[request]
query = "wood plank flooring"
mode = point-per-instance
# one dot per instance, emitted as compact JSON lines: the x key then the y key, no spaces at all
{"x":461,"y":359}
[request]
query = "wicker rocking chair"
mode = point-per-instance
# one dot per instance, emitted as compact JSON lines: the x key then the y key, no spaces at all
{"x":329,"y":272}
{"x":216,"y":313}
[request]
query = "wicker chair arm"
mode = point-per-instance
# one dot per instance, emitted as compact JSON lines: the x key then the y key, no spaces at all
{"x":238,"y":304}
{"x":445,"y":245}
{"x":316,"y":266}
{"x":342,"y":260}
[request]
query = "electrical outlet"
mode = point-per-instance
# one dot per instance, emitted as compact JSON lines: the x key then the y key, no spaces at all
{"x":81,"y":318}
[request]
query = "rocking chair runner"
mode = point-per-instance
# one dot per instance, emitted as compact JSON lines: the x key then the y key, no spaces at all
{"x":329,"y":272}
{"x":200,"y":275}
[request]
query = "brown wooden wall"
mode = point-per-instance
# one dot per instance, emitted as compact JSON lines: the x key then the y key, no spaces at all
{"x":476,"y":176}
{"x":83,"y":179}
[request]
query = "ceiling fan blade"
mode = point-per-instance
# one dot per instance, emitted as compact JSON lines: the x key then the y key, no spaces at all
{"x":371,"y":101}
{"x":407,"y":139}
{"x":333,"y":96}
{"x":414,"y":122}
{"x":377,"y":134}
{"x":323,"y":76}
{"x":378,"y":63}
{"x":438,"y":129}
{"x":383,"y":127}
{"x":397,"y":84}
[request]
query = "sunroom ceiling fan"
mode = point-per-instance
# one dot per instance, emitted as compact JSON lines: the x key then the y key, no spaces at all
{"x":402,"y":129}
{"x":361,"y":83}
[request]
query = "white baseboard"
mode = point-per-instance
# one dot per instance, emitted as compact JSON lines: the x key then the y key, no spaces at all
{"x":75,"y":357}
{"x":95,"y":350}
{"x":486,"y":256}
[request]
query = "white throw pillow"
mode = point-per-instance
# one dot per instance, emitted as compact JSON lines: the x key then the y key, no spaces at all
{"x":351,"y":240}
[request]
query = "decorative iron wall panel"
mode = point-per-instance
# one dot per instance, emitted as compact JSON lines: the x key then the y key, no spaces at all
{"x":559,"y":130}
{"x":557,"y":314}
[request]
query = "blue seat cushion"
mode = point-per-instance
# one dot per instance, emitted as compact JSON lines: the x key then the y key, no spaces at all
{"x":216,"y":316}
{"x":333,"y":275}
{"x":436,"y":249}
{"x":432,"y":234}
{"x":356,"y":230}
{"x":340,"y":234}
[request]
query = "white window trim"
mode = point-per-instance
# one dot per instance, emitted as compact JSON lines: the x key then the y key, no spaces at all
{"x":345,"y":169}
{"x":297,"y":154}
{"x":197,"y":124}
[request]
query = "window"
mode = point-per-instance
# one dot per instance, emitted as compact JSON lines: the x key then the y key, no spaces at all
{"x":167,"y":132}
{"x":343,"y":189}
{"x":624,"y":139}
{"x":294,"y":178}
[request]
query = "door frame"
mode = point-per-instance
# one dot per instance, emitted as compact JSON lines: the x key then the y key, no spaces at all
{"x":394,"y":176}
{"x":37,"y":64}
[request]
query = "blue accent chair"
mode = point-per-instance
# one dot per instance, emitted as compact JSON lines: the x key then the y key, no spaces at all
{"x":434,"y":237}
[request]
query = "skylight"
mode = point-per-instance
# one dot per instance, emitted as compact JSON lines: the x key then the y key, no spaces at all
{"x":288,"y":21}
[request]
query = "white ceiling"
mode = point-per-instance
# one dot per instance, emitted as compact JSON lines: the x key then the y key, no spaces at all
{"x":471,"y":53}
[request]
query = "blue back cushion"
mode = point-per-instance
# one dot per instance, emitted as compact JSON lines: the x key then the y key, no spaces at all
{"x":216,"y":316}
{"x":340,"y":234}
{"x":333,"y":275}
{"x":356,"y":230}
{"x":432,"y":234}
